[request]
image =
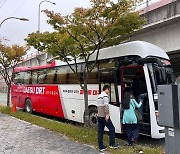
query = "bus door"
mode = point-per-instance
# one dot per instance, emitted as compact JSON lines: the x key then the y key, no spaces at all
{"x":128,"y":76}
{"x":109,"y":77}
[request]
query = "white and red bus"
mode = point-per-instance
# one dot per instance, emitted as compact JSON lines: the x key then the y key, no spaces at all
{"x":54,"y":90}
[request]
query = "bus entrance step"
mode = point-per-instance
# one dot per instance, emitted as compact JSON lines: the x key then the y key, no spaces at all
{"x":144,"y":123}
{"x":145,"y":113}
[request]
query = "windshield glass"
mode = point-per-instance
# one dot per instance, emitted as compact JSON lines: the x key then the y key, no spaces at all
{"x":160,"y":75}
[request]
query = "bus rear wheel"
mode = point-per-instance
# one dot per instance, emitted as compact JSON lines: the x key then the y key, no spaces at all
{"x":28,"y":106}
{"x":93,"y":113}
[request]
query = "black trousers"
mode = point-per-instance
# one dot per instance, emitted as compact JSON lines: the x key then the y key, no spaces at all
{"x":101,"y":124}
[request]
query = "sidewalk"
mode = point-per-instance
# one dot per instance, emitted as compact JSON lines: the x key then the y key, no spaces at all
{"x":3,"y":98}
{"x":20,"y":137}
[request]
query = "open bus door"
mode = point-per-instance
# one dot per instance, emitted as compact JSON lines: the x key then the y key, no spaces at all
{"x":109,"y":77}
{"x":128,"y":74}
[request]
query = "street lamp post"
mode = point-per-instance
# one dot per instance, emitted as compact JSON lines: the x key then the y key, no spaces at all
{"x":40,"y":12}
{"x":23,"y":19}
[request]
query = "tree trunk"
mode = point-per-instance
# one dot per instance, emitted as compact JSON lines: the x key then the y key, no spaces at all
{"x":86,"y":114}
{"x":8,"y":95}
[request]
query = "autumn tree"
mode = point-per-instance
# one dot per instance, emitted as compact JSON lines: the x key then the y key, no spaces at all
{"x":10,"y":56}
{"x":84,"y":32}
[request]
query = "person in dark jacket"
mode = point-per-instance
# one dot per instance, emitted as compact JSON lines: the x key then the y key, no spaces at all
{"x":140,"y":91}
{"x":139,"y":85}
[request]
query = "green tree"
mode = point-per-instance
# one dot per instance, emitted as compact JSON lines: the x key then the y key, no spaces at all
{"x":84,"y":32}
{"x":10,"y":56}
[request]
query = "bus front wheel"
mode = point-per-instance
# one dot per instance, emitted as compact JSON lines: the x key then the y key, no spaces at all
{"x":28,"y":106}
{"x":93,"y":113}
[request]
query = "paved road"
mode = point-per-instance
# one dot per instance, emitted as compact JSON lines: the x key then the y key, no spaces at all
{"x":20,"y":137}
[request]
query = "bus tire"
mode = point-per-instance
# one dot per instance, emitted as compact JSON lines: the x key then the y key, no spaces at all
{"x":28,"y":106}
{"x":93,"y":113}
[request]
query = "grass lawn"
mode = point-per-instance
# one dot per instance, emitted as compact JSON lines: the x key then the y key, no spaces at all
{"x":79,"y":133}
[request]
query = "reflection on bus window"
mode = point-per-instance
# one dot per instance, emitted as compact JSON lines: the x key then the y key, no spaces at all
{"x":107,"y":77}
{"x":107,"y":64}
{"x":113,"y":94}
{"x":41,"y":76}
{"x":163,"y":75}
{"x":18,"y":78}
{"x":49,"y":77}
{"x":34,"y":77}
{"x":27,"y":77}
{"x":93,"y":77}
{"x":159,"y":76}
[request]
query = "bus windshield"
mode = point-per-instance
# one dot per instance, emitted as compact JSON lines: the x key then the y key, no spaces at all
{"x":160,"y":75}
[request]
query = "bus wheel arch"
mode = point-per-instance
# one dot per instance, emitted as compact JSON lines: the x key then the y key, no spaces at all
{"x":93,"y":113}
{"x":28,"y":105}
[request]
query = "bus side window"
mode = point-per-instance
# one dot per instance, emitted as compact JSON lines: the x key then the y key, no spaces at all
{"x":55,"y":76}
{"x":21,"y":78}
{"x":15,"y":81}
{"x":107,"y":77}
{"x":64,"y":75}
{"x":61,"y":75}
{"x":118,"y":74}
{"x":27,"y":77}
{"x":18,"y":78}
{"x":42,"y":76}
{"x":34,"y":77}
{"x":49,"y":76}
{"x":93,"y":77}
{"x":113,"y":95}
{"x":72,"y":78}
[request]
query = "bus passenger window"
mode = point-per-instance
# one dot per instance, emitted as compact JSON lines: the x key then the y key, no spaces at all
{"x":118,"y":74}
{"x":66,"y":76}
{"x":18,"y":78}
{"x":34,"y":77}
{"x":41,"y":76}
{"x":15,"y":79}
{"x":49,"y":76}
{"x":27,"y":77}
{"x":107,"y":77}
{"x":93,"y":77}
{"x":61,"y":75}
{"x":113,"y":95}
{"x":72,"y":78}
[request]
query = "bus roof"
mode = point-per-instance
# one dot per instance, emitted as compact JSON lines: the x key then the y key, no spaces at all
{"x":138,"y":48}
{"x":134,"y":48}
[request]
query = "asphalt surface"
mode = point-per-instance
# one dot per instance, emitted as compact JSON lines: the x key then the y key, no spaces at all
{"x":20,"y":137}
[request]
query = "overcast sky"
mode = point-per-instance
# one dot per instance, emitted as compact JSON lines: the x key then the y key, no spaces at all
{"x":15,"y":30}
